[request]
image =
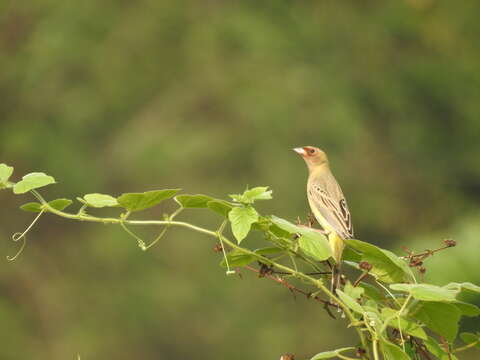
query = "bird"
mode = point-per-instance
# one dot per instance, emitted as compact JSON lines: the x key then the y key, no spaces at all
{"x":328,"y":204}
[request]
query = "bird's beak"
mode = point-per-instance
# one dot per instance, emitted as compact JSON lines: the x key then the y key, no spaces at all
{"x":300,"y":151}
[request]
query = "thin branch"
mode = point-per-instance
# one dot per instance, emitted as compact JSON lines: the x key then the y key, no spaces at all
{"x":316,"y":282}
{"x":291,"y":287}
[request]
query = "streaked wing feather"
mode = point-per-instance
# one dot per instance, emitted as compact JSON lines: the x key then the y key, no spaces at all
{"x":334,"y":211}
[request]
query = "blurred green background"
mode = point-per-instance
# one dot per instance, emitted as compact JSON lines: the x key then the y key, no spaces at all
{"x":210,"y":96}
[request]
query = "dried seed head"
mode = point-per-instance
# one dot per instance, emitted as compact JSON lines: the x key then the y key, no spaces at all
{"x":361,"y":351}
{"x":287,"y":357}
{"x":450,"y":242}
{"x":218,"y":247}
{"x":365,"y":266}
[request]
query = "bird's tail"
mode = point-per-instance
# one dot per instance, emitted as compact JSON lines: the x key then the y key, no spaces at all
{"x":337,"y":245}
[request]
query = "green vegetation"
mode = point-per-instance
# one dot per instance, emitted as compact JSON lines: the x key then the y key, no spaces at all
{"x":391,"y":314}
{"x":115,"y":97}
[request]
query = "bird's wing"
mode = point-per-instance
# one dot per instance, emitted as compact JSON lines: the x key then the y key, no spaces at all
{"x":328,"y":199}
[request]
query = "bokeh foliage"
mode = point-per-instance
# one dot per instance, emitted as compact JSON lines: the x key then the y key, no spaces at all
{"x":210,"y":96}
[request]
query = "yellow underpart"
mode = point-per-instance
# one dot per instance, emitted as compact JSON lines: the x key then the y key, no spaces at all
{"x":336,"y":243}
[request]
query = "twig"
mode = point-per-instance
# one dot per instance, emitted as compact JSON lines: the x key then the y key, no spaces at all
{"x":291,"y":287}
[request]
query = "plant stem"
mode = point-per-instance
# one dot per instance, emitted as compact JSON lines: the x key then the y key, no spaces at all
{"x":463,"y":348}
{"x":375,"y":348}
{"x":316,"y":282}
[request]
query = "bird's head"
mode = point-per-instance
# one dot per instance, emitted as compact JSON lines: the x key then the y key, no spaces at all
{"x":313,"y":156}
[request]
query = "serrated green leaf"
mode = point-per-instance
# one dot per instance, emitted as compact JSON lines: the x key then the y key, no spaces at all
{"x":193,"y":201}
{"x":100,"y":200}
{"x":249,"y":196}
{"x":406,"y":325}
{"x":436,"y":349}
{"x":141,"y":201}
{"x":331,"y":354}
{"x":392,"y":351}
{"x":220,"y":207}
{"x":350,"y":302}
{"x":470,"y":338}
{"x":427,"y":292}
{"x":440,"y":317}
{"x":467,"y":309}
{"x":32,"y":181}
{"x":5,"y":173}
{"x":384,"y":267}
{"x":241,"y":219}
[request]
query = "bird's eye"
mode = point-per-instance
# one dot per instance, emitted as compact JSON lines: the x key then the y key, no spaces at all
{"x":311,"y":151}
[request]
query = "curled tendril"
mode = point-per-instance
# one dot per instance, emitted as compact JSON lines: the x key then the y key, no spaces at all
{"x":141,"y":243}
{"x":23,"y":236}
{"x":17,"y":237}
{"x":157,"y":239}
{"x":220,"y":237}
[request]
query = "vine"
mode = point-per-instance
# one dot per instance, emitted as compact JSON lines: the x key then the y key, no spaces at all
{"x":389,"y":310}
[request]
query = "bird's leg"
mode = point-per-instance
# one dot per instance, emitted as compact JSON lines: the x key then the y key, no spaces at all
{"x":311,"y":220}
{"x":335,"y":279}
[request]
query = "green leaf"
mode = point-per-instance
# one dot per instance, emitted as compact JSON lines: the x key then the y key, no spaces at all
{"x":402,"y":264}
{"x":100,"y":200}
{"x":141,"y":201}
{"x":193,"y":201}
{"x":242,"y":219}
{"x":350,"y":302}
{"x":249,"y":196}
{"x":331,"y":354}
{"x":406,"y":325}
{"x":58,"y":204}
{"x":269,"y":250}
{"x":470,"y":338}
{"x":315,"y":245}
{"x":440,"y":317}
{"x":236,"y":259}
{"x":32,"y":181}
{"x":392,"y":351}
{"x":311,"y":241}
{"x":5,"y":173}
{"x":437,"y":350}
{"x":467,"y":309}
{"x":463,"y":286}
{"x":351,"y":255}
{"x":220,"y":206}
{"x":371,"y":292}
{"x":354,"y":292}
{"x":385,"y":267}
{"x":427,"y":292}
{"x":286,"y":225}
{"x":32,"y":206}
